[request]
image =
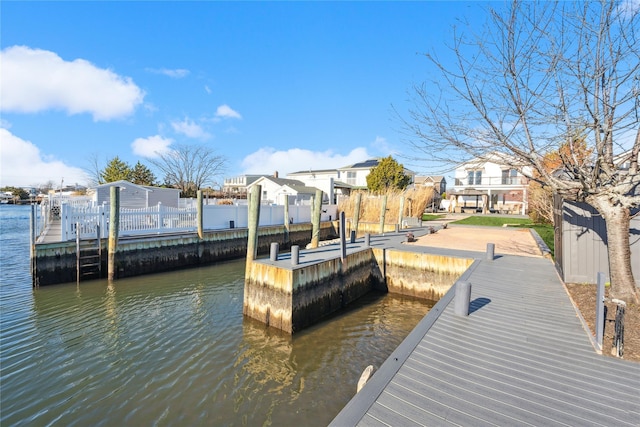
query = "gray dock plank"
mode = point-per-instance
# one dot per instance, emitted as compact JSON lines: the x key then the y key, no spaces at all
{"x":522,"y":357}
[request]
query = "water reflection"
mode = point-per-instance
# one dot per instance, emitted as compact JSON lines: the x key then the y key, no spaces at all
{"x":174,"y":348}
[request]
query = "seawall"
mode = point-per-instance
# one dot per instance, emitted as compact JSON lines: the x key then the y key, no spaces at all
{"x":56,"y":262}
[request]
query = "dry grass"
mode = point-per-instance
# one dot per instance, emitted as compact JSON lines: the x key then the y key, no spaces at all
{"x":415,"y":202}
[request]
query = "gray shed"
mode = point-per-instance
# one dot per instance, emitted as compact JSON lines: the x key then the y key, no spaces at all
{"x":581,"y":242}
{"x":133,"y":196}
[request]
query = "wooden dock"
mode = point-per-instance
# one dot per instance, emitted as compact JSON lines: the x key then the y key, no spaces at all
{"x":522,"y":357}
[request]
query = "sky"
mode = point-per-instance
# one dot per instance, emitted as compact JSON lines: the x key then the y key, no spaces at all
{"x":271,"y":86}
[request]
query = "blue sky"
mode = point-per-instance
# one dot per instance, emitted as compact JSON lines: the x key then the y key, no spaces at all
{"x":272,"y":86}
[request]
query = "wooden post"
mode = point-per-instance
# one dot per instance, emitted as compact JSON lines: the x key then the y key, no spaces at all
{"x":343,"y":237}
{"x":287,"y":228}
{"x":114,"y":226}
{"x":254,"y":220}
{"x":401,"y":212}
{"x":315,"y":219}
{"x":356,"y":212}
{"x":32,"y":245}
{"x":383,"y":212}
{"x":600,"y":313}
{"x":78,"y":266}
{"x":200,"y":213}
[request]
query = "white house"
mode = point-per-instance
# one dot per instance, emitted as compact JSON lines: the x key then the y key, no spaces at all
{"x":356,"y":174}
{"x":327,"y":180}
{"x":497,"y":181}
{"x":277,"y":190}
{"x":133,"y":196}
{"x":239,"y":184}
{"x":333,"y":182}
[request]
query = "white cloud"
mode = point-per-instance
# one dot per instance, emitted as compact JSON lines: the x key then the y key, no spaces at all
{"x":382,"y":147}
{"x":190,"y":128}
{"x":207,"y":89}
{"x":34,"y":80}
{"x":226,"y":112}
{"x":151,"y":147}
{"x":177,"y":73}
{"x":22,"y":164}
{"x":267,"y":160}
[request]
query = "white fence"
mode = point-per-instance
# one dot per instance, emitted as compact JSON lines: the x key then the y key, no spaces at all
{"x":164,"y":220}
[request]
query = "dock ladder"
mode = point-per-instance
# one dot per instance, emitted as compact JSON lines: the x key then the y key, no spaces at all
{"x":88,"y":256}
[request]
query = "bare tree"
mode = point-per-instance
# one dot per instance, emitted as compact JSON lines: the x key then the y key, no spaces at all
{"x":94,"y":169}
{"x":190,"y":167}
{"x":538,"y":74}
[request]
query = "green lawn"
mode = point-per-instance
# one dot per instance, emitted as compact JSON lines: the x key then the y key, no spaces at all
{"x":494,"y":221}
{"x":544,"y":230}
{"x":431,"y":217}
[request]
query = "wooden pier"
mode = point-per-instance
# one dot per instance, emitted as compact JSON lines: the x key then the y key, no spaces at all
{"x":521,"y":357}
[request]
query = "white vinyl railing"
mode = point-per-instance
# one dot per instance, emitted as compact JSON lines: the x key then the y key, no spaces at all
{"x":159,"y":219}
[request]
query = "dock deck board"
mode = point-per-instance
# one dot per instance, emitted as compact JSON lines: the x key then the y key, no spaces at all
{"x":522,"y":357}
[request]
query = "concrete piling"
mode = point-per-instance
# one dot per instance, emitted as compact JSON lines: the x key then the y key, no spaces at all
{"x":353,"y":236}
{"x":462,"y":298}
{"x":367,"y":240}
{"x":114,"y":226}
{"x":295,"y":255}
{"x":273,"y":253}
{"x":491,"y":247}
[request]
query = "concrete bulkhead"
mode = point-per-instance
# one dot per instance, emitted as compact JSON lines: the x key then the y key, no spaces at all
{"x":292,"y":298}
{"x":56,"y":262}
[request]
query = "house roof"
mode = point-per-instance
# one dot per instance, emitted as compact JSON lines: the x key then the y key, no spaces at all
{"x":432,"y":178}
{"x":367,"y":164}
{"x":279,"y":181}
{"x":301,"y":189}
{"x":124,"y":183}
{"x":321,"y":171}
{"x":341,"y":184}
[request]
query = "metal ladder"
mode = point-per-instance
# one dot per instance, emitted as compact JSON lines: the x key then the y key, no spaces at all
{"x":88,"y":256}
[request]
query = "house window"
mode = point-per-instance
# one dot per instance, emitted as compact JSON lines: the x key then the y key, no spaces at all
{"x":351,"y":178}
{"x":474,"y":177}
{"x":509,"y":176}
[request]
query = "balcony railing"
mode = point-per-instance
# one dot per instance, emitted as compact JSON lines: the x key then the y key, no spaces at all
{"x":492,"y":181}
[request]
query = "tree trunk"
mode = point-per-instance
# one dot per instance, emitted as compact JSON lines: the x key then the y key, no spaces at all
{"x":618,"y":221}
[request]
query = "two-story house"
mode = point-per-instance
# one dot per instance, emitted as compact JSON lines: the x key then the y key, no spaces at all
{"x":327,"y":180}
{"x":495,"y":183}
{"x":238,"y":185}
{"x":438,"y":183}
{"x":334,"y":183}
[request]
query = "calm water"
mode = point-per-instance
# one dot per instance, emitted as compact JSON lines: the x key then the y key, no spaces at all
{"x":173,"y":349}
